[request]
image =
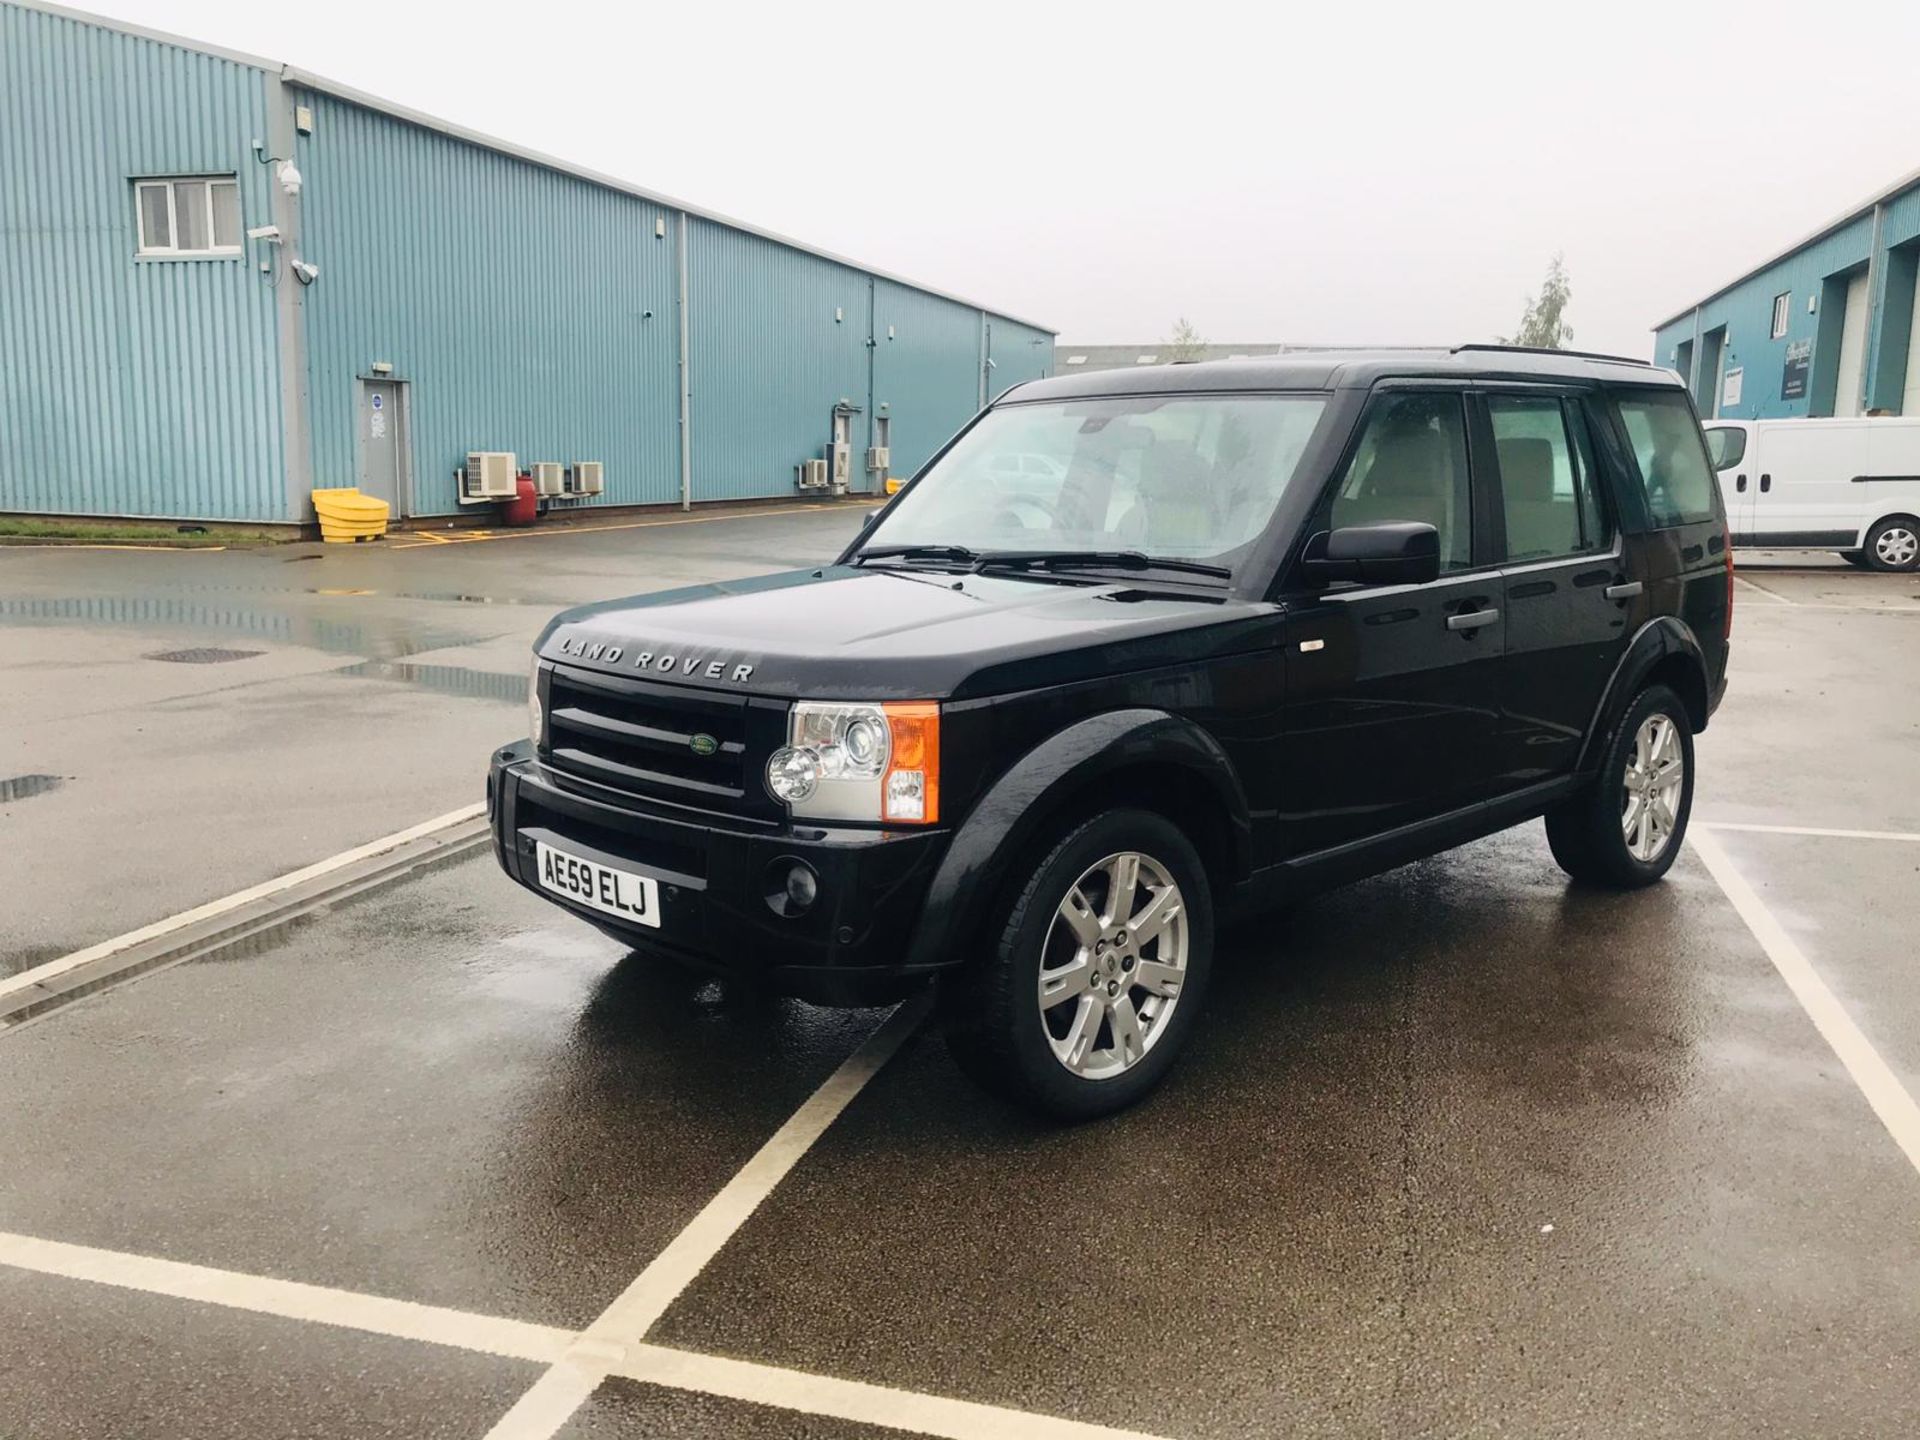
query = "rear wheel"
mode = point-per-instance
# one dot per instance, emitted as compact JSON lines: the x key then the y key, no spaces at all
{"x":1894,"y":544}
{"x":1096,"y":973}
{"x":1625,"y":829}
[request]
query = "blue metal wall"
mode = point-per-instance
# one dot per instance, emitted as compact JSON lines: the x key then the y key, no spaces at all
{"x":128,"y":387}
{"x":513,"y":299}
{"x":926,"y":370}
{"x":1019,"y":353}
{"x":779,"y":337}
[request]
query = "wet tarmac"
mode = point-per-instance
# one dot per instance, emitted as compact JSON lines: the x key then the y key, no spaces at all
{"x":1461,"y":1150}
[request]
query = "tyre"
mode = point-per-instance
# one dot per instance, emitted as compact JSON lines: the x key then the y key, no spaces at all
{"x":1625,"y":829}
{"x":1894,"y":544}
{"x":1855,"y":558}
{"x":1097,"y":963}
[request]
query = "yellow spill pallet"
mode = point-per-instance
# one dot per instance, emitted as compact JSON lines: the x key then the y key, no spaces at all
{"x":346,"y":516}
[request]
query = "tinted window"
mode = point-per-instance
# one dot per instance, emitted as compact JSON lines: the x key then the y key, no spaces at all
{"x":1726,"y":446}
{"x":1412,"y":465}
{"x":1546,"y":479}
{"x":1672,"y":460}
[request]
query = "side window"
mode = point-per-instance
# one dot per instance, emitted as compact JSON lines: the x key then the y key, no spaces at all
{"x":1546,"y":477}
{"x":1411,"y":464}
{"x":1672,"y":460}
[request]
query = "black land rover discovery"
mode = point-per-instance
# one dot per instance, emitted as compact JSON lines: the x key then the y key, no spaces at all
{"x":1246,"y":630}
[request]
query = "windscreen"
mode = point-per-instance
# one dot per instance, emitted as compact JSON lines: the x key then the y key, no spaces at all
{"x":1186,"y":477}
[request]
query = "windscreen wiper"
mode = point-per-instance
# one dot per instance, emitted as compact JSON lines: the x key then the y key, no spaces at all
{"x":1096,"y":559}
{"x":954,"y":554}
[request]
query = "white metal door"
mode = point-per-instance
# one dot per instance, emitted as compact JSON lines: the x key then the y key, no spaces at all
{"x":383,"y":442}
{"x":1853,"y":348}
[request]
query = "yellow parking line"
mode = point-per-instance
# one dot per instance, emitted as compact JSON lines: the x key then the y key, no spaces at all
{"x":422,"y":537}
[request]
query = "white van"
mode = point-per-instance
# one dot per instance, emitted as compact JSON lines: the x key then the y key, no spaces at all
{"x":1848,"y":485}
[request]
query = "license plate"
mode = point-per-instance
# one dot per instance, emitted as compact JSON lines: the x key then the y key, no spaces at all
{"x":633,"y":898}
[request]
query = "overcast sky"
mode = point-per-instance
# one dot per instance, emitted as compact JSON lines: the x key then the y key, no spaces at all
{"x":1345,"y":174}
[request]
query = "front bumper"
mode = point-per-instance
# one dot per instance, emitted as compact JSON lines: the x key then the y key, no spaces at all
{"x":715,"y":873}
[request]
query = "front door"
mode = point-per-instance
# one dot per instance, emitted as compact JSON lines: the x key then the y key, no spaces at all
{"x":382,"y":443}
{"x":1393,"y":692}
{"x":1570,"y":605}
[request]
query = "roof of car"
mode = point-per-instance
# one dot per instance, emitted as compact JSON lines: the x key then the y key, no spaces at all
{"x":1350,"y":369}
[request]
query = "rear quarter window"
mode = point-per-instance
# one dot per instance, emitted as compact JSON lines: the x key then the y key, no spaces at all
{"x":1672,"y":458}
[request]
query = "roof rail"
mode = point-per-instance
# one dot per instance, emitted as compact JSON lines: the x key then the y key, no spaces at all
{"x":1550,"y":350}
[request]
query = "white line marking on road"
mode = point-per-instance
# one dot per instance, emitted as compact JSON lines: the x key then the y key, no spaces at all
{"x":1884,"y":1092}
{"x":1774,"y":596}
{"x":288,"y":1299}
{"x":543,"y":1410}
{"x":1908,"y":836}
{"x":226,"y":903}
{"x":853,"y":1399}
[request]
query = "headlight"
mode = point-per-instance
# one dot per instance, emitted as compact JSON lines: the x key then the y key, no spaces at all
{"x":536,"y":717}
{"x":855,"y":761}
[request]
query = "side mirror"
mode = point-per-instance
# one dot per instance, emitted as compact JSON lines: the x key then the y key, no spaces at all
{"x":1398,"y":552}
{"x":868,"y":518}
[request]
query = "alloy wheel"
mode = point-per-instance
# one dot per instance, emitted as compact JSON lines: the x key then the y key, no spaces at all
{"x":1650,"y":804}
{"x":1112,"y":965}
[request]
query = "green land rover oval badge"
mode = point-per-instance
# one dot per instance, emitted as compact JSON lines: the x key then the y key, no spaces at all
{"x":703,"y":744}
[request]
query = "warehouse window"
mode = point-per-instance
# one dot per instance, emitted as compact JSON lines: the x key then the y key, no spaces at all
{"x":188,"y":215}
{"x":1780,"y":304}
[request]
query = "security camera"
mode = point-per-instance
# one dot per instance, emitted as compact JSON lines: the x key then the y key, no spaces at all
{"x":264,"y":232}
{"x":306,"y":271}
{"x":290,"y":178}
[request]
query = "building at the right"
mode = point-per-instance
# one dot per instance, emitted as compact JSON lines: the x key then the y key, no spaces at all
{"x":1825,"y":327}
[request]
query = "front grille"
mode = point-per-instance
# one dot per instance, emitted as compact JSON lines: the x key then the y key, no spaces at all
{"x":639,"y":737}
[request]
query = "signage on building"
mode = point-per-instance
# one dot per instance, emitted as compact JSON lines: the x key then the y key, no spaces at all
{"x":1793,"y":375}
{"x":1730,"y":387}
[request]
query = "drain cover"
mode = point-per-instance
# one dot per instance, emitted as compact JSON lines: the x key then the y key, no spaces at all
{"x":19,"y":787}
{"x":202,"y":655}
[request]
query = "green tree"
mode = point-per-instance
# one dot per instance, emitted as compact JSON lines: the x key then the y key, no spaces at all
{"x":1185,"y":342}
{"x":1543,"y":324}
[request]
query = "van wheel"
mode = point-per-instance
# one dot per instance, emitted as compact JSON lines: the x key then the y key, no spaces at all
{"x":1625,"y":829}
{"x":1096,"y":974}
{"x":1894,"y":544}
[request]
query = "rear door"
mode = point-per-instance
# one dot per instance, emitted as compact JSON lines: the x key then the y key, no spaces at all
{"x":1393,"y":691}
{"x":1568,"y":597}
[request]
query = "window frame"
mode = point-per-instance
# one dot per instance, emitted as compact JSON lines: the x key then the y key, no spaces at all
{"x":1782,"y":315}
{"x":1583,"y":453}
{"x":169,"y":185}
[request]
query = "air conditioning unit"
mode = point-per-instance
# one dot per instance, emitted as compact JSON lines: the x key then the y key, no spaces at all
{"x":587,"y":477}
{"x":490,"y":475}
{"x":549,"y":477}
{"x":880,"y":458}
{"x":812,"y":475}
{"x":842,"y":459}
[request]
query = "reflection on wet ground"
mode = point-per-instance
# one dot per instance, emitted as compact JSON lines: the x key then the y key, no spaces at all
{"x":20,"y":787}
{"x":443,"y":679}
{"x":379,"y":638}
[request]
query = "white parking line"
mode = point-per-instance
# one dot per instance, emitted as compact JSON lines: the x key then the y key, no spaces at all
{"x":543,"y":1410}
{"x":1774,"y":596}
{"x":288,"y":1299}
{"x":1907,"y":836}
{"x":1884,"y":1092}
{"x":226,"y":903}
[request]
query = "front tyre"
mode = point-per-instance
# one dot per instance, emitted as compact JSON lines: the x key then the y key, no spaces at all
{"x":1626,"y":828}
{"x":1096,"y":973}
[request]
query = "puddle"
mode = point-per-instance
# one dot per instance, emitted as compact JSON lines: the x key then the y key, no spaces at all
{"x":201,"y":655}
{"x":444,"y":679}
{"x":20,"y":787}
{"x":389,"y":641}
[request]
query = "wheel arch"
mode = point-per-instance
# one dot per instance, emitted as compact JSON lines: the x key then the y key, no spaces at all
{"x":1146,"y":759}
{"x":1662,"y":652}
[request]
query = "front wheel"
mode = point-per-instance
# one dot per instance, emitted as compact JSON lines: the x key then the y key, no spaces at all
{"x":1625,"y":829}
{"x":1095,"y":974}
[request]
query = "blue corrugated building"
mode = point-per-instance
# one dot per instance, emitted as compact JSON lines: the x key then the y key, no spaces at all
{"x":1825,"y":327}
{"x":225,"y":282}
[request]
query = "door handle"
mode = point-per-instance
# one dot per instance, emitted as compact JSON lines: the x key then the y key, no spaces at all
{"x":1740,"y":483}
{"x":1623,"y":592}
{"x":1472,"y":620}
{"x":1766,"y":483}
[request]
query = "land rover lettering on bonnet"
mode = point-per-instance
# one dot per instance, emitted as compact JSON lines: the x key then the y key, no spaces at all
{"x":1243,"y":631}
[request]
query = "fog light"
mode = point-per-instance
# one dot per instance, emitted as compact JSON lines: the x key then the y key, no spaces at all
{"x":803,"y":887}
{"x":791,"y":887}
